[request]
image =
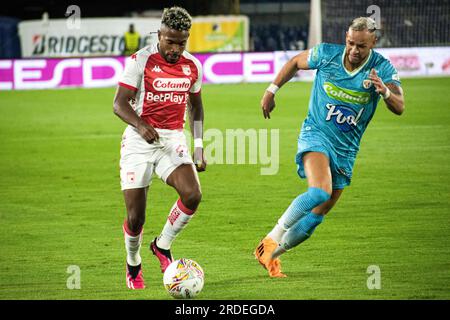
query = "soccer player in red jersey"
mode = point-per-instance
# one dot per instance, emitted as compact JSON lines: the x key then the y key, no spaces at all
{"x":159,"y":83}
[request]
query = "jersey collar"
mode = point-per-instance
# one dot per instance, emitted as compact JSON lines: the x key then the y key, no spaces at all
{"x":354,"y":72}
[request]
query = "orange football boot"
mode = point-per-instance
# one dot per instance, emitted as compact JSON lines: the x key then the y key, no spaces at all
{"x":263,"y":253}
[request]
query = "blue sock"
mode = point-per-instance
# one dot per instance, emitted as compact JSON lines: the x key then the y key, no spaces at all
{"x":301,"y":205}
{"x":301,"y":231}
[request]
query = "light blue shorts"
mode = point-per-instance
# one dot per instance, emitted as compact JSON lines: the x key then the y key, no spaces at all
{"x":311,"y":139}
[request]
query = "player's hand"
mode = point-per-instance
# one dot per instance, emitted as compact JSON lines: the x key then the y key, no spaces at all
{"x":380,"y":87}
{"x":199,"y":159}
{"x":267,"y":104}
{"x":147,"y":132}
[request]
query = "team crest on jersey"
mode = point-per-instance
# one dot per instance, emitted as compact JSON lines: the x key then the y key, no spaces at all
{"x":186,"y":69}
{"x":367,"y":83}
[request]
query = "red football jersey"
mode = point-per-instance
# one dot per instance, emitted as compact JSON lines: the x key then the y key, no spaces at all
{"x":162,"y":88}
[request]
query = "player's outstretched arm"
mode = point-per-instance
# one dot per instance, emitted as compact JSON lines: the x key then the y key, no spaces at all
{"x":298,"y":62}
{"x":391,"y":93}
{"x":196,"y":116}
{"x":124,"y":111}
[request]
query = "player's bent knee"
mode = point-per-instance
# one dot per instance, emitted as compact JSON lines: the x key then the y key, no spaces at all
{"x":323,"y":185}
{"x":322,"y":210}
{"x":326,"y":207}
{"x":136,"y":222}
{"x":192,"y":198}
{"x":318,"y":195}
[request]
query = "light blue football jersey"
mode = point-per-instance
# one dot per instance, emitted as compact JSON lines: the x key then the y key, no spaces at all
{"x":342,"y":103}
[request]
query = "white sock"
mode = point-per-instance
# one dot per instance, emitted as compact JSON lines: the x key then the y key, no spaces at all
{"x":178,"y":217}
{"x":278,"y":252}
{"x":277,"y":232}
{"x":132,"y":246}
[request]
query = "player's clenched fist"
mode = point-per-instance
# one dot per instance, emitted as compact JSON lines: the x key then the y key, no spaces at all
{"x":199,"y":159}
{"x":147,"y":132}
{"x":267,"y":104}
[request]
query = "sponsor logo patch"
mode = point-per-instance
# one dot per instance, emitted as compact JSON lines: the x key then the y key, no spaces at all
{"x":171,"y":84}
{"x":343,"y":117}
{"x":346,"y":95}
{"x":179,"y":98}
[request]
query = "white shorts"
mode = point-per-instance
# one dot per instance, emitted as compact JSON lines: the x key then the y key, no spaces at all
{"x":140,"y":159}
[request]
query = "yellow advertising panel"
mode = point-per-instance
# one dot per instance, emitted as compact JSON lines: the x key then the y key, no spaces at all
{"x":219,"y":34}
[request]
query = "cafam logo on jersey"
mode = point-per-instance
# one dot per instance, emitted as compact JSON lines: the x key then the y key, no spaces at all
{"x":171,"y":84}
{"x":346,"y":95}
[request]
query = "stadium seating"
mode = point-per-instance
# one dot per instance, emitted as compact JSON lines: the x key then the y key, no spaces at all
{"x":404,"y":23}
{"x":272,"y":37}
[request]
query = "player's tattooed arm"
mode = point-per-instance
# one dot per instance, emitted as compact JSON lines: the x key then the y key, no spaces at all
{"x":396,"y":101}
{"x":392,"y":94}
{"x":122,"y":108}
{"x":196,"y":116}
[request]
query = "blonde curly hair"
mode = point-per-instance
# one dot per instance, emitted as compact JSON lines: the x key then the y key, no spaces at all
{"x":176,"y":18}
{"x":363,"y":23}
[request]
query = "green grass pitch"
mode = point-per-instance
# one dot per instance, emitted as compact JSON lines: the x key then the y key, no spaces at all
{"x":61,"y":204}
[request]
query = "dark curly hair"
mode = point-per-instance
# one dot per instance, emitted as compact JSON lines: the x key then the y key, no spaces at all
{"x":176,"y":18}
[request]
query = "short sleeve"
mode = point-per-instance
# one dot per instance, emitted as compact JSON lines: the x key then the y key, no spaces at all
{"x":315,"y":56}
{"x":197,"y":86}
{"x":389,"y":74}
{"x":132,"y":76}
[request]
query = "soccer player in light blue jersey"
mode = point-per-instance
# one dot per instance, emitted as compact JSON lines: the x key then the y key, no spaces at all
{"x":349,"y":82}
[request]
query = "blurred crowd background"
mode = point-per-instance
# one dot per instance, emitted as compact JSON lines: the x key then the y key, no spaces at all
{"x":273,"y":25}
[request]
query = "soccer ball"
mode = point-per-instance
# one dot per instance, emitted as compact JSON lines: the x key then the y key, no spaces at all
{"x":183,"y":279}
